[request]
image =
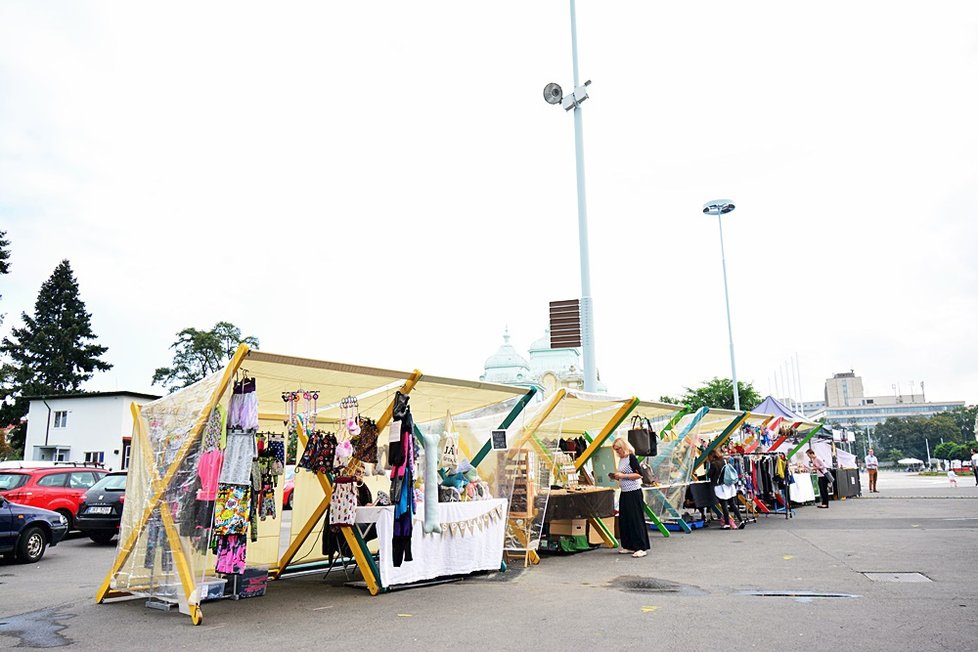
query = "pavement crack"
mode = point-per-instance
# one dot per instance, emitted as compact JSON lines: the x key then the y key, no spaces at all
{"x":823,"y":551}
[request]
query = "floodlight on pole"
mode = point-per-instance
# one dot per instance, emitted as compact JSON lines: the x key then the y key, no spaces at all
{"x":553,"y":94}
{"x":721,"y":207}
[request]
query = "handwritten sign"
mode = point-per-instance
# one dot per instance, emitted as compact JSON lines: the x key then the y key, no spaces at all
{"x":499,"y":440}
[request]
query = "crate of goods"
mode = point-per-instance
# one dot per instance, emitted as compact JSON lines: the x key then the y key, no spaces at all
{"x":249,"y":584}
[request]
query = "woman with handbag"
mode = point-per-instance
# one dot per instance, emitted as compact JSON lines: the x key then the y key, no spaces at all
{"x":631,"y":504}
{"x":825,"y":479}
{"x":724,"y":484}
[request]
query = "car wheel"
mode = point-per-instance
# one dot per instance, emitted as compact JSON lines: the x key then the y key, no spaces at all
{"x":289,"y":505}
{"x":102,"y":538}
{"x":31,"y":545}
{"x":67,"y":515}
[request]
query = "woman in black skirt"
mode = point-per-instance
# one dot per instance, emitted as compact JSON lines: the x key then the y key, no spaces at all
{"x":631,"y":504}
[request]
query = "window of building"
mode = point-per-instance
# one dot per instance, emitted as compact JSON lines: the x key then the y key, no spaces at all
{"x":95,"y":456}
{"x":126,"y":453}
{"x":61,"y":418}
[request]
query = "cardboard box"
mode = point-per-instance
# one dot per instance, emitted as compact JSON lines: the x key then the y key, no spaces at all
{"x":571,"y":527}
{"x":594,"y":534}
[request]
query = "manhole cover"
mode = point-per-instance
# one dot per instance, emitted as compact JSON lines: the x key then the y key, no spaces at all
{"x":898,"y":577}
{"x":654,"y":585}
{"x":805,"y":595}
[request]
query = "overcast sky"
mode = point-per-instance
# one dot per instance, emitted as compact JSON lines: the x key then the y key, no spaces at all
{"x":382,"y":183}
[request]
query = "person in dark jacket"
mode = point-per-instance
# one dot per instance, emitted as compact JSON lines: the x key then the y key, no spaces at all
{"x":725,"y":493}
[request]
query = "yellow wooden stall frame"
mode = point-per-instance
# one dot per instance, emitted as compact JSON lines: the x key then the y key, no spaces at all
{"x":160,"y":485}
{"x":373,"y":583}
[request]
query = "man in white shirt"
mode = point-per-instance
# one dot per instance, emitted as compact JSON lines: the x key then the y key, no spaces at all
{"x":872,"y":467}
{"x":974,"y":463}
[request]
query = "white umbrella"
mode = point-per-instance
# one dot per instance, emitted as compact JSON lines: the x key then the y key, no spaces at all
{"x":910,"y":460}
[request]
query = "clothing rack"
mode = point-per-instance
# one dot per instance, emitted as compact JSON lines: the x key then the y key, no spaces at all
{"x":752,"y":498}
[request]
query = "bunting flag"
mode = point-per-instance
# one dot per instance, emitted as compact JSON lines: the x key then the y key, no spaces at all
{"x":469,"y":526}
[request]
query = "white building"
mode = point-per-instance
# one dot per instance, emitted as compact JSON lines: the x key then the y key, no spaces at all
{"x":847,"y":405}
{"x":548,"y":369}
{"x":94,"y":427}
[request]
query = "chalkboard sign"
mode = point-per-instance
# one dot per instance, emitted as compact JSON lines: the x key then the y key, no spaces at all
{"x":499,"y":440}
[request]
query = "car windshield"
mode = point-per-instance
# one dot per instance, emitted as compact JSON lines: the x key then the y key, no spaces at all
{"x":12,"y":480}
{"x":110,"y":483}
{"x":290,"y":472}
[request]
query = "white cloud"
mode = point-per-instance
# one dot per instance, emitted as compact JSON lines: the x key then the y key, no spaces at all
{"x":391,"y":175}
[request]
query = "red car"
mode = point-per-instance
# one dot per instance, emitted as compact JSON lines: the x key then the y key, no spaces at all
{"x":56,"y":488}
{"x":288,"y":486}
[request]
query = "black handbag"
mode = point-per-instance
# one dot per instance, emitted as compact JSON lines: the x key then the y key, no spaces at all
{"x":642,"y":437}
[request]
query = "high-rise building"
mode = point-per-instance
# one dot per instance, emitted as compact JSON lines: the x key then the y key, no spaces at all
{"x":847,"y":405}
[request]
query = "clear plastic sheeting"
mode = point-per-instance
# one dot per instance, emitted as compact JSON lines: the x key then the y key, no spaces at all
{"x":672,"y":469}
{"x":167,"y":533}
{"x":524,"y":479}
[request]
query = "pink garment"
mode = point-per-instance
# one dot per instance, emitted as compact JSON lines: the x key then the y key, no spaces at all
{"x":209,"y":470}
{"x":231,"y":553}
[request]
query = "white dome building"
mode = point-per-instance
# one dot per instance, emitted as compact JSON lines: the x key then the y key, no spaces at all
{"x":507,"y":366}
{"x":549,"y":369}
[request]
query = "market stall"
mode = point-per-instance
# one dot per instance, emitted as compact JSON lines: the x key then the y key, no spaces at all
{"x":202,"y":516}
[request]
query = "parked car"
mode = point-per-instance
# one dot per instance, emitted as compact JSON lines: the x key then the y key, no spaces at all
{"x":100,"y":511}
{"x":26,"y":532}
{"x":288,"y":486}
{"x":56,"y":488}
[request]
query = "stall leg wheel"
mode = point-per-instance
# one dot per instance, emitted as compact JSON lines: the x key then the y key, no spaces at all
{"x":196,"y":615}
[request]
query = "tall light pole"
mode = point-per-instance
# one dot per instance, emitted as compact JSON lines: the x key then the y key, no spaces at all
{"x":554,"y":95}
{"x":721,"y":207}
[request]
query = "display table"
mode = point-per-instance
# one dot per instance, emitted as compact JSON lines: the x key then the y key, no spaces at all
{"x":802,"y":490}
{"x":471,"y":540}
{"x":590,"y":502}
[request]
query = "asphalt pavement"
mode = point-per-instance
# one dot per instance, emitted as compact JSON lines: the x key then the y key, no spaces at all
{"x":896,"y":570}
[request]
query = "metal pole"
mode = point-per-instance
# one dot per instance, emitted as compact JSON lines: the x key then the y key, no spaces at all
{"x":726,"y":296}
{"x":587,"y":314}
{"x":801,"y":398}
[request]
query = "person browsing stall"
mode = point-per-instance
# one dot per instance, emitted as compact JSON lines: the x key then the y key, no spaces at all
{"x":819,"y":468}
{"x":974,"y":463}
{"x":724,"y":482}
{"x":631,"y":504}
{"x":872,"y":468}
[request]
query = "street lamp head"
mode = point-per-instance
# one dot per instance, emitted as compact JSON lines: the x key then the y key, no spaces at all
{"x":553,"y":93}
{"x":718,"y":207}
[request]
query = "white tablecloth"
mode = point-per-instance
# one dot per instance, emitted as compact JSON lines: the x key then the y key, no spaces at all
{"x":801,"y":490}
{"x":437,"y":555}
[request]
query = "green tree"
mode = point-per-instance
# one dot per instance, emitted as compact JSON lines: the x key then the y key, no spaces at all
{"x":911,"y":434}
{"x":200,"y":353}
{"x":894,"y":454}
{"x":961,"y":452}
{"x":964,"y":420}
{"x":945,"y":450}
{"x":54,"y":352}
{"x":717,"y":393}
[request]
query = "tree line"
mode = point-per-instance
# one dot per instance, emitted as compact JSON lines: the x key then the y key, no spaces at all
{"x":54,"y":351}
{"x":950,"y":436}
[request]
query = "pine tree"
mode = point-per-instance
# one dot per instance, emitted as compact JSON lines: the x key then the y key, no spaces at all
{"x":53,"y":352}
{"x":4,"y":260}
